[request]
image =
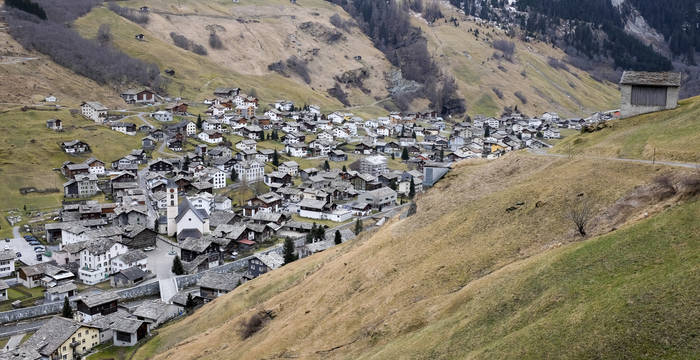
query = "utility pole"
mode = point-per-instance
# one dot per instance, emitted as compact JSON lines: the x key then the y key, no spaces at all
{"x":653,"y":157}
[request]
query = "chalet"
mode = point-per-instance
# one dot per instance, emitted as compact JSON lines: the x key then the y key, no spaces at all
{"x":262,"y":263}
{"x":44,"y":274}
{"x":7,"y":262}
{"x":211,"y":136}
{"x":254,"y":132}
{"x":199,"y":254}
{"x":54,"y":124}
{"x":268,"y":202}
{"x":337,"y":155}
{"x":213,"y":285}
{"x":140,"y":37}
{"x":75,"y":147}
{"x":379,"y":198}
{"x":95,"y":306}
{"x":278,"y":177}
{"x":59,"y":292}
{"x":644,"y":92}
{"x":123,"y":127}
{"x":247,"y":144}
{"x":160,"y":165}
{"x":178,"y":109}
{"x":139,"y":96}
{"x":148,"y":143}
{"x":94,"y":111}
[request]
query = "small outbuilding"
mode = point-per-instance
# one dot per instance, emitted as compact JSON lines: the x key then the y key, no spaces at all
{"x":645,"y":92}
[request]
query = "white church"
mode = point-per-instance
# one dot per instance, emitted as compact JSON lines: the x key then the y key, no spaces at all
{"x":183,"y":218}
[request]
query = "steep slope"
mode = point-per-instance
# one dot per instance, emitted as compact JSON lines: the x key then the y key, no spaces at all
{"x":258,"y":33}
{"x":28,"y":77}
{"x":666,"y":135}
{"x":465,"y":278}
{"x":466,"y":51}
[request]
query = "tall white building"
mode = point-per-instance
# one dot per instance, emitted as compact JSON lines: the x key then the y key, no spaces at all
{"x":171,"y":210}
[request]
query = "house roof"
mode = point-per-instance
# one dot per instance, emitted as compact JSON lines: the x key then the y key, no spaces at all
{"x":132,"y":256}
{"x":195,"y":244}
{"x":272,"y":260}
{"x":133,"y":273}
{"x":3,"y":285}
{"x":58,"y":289}
{"x":651,"y":78}
{"x":186,"y":205}
{"x":8,"y":254}
{"x":151,"y":309}
{"x":212,"y":280}
{"x":127,"y":325}
{"x":53,"y":334}
{"x":99,"y":299}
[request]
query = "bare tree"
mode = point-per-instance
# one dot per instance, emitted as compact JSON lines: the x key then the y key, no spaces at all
{"x":580,"y":213}
{"x":104,"y":35}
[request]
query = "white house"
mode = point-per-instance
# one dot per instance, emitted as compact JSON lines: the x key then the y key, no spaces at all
{"x":203,"y":200}
{"x":250,"y":171}
{"x":94,"y":111}
{"x":130,"y":259}
{"x":340,"y":133}
{"x":95,"y":260}
{"x":191,"y":129}
{"x":7,"y":262}
{"x":212,"y":137}
{"x":51,"y":99}
{"x":289,"y":167}
{"x":216,"y":177}
{"x":162,"y":115}
{"x":297,"y":149}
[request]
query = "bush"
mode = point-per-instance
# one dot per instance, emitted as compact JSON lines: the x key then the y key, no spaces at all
{"x":215,"y":41}
{"x":432,"y":12}
{"x":130,"y":14}
{"x":183,"y":42}
{"x":506,"y":47}
{"x":299,"y":67}
{"x":104,"y":35}
{"x":255,"y":323}
{"x":27,"y":6}
{"x":338,"y":93}
{"x":337,"y":21}
{"x":520,"y":96}
{"x":557,"y":64}
{"x":498,"y":92}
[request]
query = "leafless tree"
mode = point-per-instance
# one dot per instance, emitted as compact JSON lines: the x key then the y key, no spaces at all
{"x":104,"y":35}
{"x":580,"y":213}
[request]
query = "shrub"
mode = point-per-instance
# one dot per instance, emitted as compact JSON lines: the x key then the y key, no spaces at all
{"x":557,"y":64}
{"x":506,"y":47}
{"x":521,"y":97}
{"x":215,"y":41}
{"x":130,"y":14}
{"x":498,"y":92}
{"x":255,"y":323}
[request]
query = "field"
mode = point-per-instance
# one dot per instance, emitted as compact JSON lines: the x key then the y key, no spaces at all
{"x":27,"y":296}
{"x":466,"y":279}
{"x":668,"y":135}
{"x":31,"y":151}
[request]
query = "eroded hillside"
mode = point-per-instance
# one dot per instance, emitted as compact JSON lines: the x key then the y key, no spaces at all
{"x":465,"y":278}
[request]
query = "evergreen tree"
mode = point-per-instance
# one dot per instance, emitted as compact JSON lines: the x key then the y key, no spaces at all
{"x":199,"y":121}
{"x":186,"y":164}
{"x":326,"y":165}
{"x":177,"y":268}
{"x":67,"y":311}
{"x":234,"y":174}
{"x":275,"y":158}
{"x":289,"y":255}
{"x":411,"y":189}
{"x":392,"y":156}
{"x":442,"y":154}
{"x":404,"y":154}
{"x":487,"y":131}
{"x":345,"y":169}
{"x":338,"y":237}
{"x":358,"y":226}
{"x":189,"y":304}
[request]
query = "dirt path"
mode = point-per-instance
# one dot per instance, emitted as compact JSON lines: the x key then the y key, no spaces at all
{"x":640,"y":161}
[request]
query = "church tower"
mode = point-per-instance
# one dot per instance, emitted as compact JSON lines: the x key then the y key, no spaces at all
{"x":172,"y":208}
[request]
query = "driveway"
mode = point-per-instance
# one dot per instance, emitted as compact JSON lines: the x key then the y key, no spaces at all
{"x":160,"y":261}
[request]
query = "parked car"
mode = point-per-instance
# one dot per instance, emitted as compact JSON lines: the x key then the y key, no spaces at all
{"x":18,"y":254}
{"x":34,"y":242}
{"x":7,"y":239}
{"x":149,"y":248}
{"x":38,"y":257}
{"x":39,"y":249}
{"x":28,"y":237}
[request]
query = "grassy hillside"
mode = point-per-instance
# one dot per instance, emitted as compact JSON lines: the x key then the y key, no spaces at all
{"x":466,"y":279}
{"x":28,"y":77}
{"x":197,"y":76}
{"x":570,"y":92}
{"x":675,"y":134}
{"x":31,"y":151}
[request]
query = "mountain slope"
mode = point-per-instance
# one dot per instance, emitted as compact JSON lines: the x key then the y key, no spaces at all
{"x":259,"y":33}
{"x":468,"y":279}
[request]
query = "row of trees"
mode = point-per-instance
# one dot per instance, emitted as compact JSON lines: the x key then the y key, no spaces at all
{"x":183,"y":42}
{"x":388,"y":24}
{"x":134,"y":15}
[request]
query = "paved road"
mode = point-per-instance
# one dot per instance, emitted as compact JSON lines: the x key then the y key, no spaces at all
{"x":21,"y":327}
{"x":18,"y":244}
{"x":639,"y":161}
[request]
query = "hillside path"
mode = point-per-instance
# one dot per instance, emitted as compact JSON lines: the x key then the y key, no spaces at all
{"x":640,"y":161}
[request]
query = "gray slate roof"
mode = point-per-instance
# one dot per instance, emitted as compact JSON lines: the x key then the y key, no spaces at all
{"x":212,"y":280}
{"x":651,"y":78}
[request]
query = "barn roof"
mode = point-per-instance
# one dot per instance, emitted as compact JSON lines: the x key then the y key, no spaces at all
{"x":651,"y":78}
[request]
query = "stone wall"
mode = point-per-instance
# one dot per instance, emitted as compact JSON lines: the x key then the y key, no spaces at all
{"x":30,"y":312}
